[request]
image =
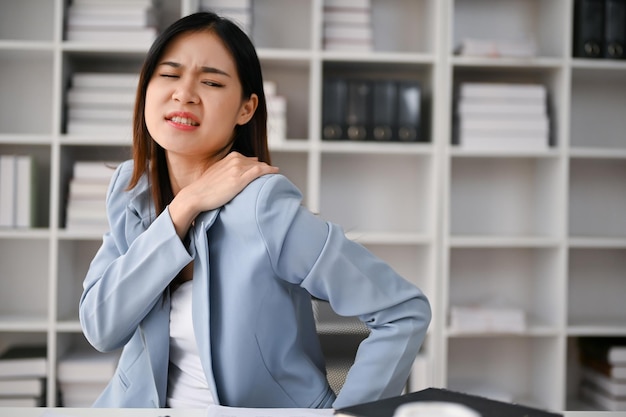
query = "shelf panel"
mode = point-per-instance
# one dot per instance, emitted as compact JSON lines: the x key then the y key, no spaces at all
{"x":478,"y":241}
{"x":23,"y":323}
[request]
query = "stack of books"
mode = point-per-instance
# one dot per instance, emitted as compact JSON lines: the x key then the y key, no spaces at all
{"x":502,"y":116}
{"x":239,"y":11}
{"x":603,"y":372}
{"x":348,"y":25}
{"x":276,"y":114}
{"x":17,"y":191}
{"x":101,"y":103}
{"x":83,"y":374}
{"x":382,"y":109}
{"x":127,"y":21}
{"x":86,"y":203}
{"x":23,"y":376}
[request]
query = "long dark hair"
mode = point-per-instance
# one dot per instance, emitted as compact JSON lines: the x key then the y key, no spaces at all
{"x":249,"y":139}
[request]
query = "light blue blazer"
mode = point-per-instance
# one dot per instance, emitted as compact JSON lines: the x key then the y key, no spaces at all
{"x":257,"y":261}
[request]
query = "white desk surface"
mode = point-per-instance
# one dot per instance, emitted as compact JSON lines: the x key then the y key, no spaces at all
{"x":167,"y":412}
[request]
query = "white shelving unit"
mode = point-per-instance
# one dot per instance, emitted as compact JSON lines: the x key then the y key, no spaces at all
{"x":544,"y":231}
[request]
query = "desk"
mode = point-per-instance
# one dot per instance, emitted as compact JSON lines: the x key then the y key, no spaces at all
{"x":152,"y":412}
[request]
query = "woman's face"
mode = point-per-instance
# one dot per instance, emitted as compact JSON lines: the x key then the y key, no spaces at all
{"x":194,"y":98}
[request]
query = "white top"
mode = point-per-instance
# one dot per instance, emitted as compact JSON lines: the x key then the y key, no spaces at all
{"x":187,"y":384}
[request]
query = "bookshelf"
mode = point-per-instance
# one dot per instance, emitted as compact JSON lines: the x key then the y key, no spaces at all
{"x":526,"y":227}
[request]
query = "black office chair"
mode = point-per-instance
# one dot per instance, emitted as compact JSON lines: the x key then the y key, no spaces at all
{"x":340,"y":338}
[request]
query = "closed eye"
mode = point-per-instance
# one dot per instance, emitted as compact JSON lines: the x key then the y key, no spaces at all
{"x":212,"y":84}
{"x":169,"y":75}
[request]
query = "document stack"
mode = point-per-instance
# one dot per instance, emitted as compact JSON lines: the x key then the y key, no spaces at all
{"x":101,"y":103}
{"x":502,"y":116}
{"x":23,"y":376}
{"x":83,"y":374}
{"x":603,"y":372}
{"x":276,"y":114}
{"x":113,"y":21}
{"x":86,"y":203}
{"x":239,"y":11}
{"x":17,"y":191}
{"x":348,"y":25}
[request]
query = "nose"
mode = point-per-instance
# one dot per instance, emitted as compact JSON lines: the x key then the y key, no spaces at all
{"x":185,"y":92}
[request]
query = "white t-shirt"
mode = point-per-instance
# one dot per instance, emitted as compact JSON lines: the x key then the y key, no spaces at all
{"x":187,"y":384}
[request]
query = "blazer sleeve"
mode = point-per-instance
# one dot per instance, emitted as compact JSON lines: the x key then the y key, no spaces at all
{"x":315,"y":254}
{"x":126,"y":278}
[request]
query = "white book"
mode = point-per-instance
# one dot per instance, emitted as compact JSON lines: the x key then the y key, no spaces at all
{"x":99,"y":115}
{"x":87,"y":367}
{"x":503,"y":125}
{"x":613,"y":387}
{"x":94,"y":170}
{"x":113,"y":3}
{"x":356,"y":32}
{"x":32,"y":387}
{"x":502,"y":90}
{"x":521,"y":143}
{"x":470,"y":107}
{"x":226,"y":4}
{"x":25,"y":193}
{"x":84,"y":189}
{"x":359,"y":17}
{"x":123,"y":18}
{"x":117,"y":80}
{"x":601,"y":399}
{"x":347,"y":45}
{"x":20,"y":401}
{"x":347,"y":4}
{"x":19,"y":361}
{"x":142,"y":36}
{"x":100,"y":96}
{"x":7,"y":190}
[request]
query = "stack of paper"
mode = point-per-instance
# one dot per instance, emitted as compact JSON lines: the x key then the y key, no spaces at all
{"x":347,"y":25}
{"x":128,"y":21}
{"x":239,"y":11}
{"x":487,"y":319}
{"x":603,"y":372}
{"x":83,"y":374}
{"x":101,"y":103}
{"x":86,"y":204}
{"x":502,"y":116}
{"x":23,"y":371}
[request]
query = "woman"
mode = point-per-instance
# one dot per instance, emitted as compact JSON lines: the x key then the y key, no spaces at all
{"x":206,"y":276}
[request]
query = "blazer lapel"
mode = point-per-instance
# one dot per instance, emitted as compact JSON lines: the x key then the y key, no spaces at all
{"x":201,"y":296}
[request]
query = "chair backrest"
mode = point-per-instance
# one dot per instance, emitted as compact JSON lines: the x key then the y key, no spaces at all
{"x":340,"y":338}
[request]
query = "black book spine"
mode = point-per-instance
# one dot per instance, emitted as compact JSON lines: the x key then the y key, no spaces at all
{"x":384,"y":110}
{"x":409,"y":111}
{"x":614,"y":28}
{"x":358,"y":109}
{"x":589,"y":28}
{"x":334,"y":100}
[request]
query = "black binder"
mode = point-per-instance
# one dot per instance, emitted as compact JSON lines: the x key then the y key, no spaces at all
{"x":358,"y":109}
{"x":589,"y":28}
{"x":409,"y":111}
{"x":334,"y":100}
{"x":484,"y":406}
{"x":614,"y":28}
{"x":384,"y":110}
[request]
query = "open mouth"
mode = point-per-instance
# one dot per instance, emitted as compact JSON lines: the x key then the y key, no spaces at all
{"x":183,"y":121}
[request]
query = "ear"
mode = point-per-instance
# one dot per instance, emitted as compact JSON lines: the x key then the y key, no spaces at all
{"x":247,"y":109}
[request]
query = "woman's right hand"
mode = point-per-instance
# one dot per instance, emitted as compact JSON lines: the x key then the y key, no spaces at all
{"x":219,"y":184}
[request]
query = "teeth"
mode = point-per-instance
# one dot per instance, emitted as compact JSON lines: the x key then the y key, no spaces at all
{"x":184,"y":121}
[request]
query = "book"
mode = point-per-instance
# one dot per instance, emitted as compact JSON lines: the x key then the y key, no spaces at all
{"x":24,"y":361}
{"x":127,"y":81}
{"x":608,"y":349}
{"x":334,"y":97}
{"x":25,"y":201}
{"x":94,"y":170}
{"x":358,"y":109}
{"x":500,"y":107}
{"x":614,"y":29}
{"x":15,"y":387}
{"x":141,"y":36}
{"x":484,"y":406}
{"x":605,"y":368}
{"x":7,"y":190}
{"x":409,"y":111}
{"x":21,"y":401}
{"x":385,"y":109}
{"x":105,"y":97}
{"x":590,"y":393}
{"x":613,"y":387}
{"x":507,"y":91}
{"x":588,"y":28}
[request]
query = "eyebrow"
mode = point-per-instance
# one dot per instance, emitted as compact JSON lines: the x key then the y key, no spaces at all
{"x":205,"y":70}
